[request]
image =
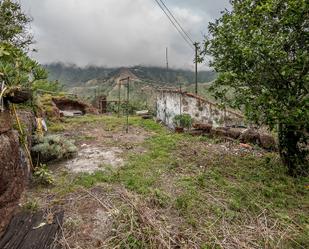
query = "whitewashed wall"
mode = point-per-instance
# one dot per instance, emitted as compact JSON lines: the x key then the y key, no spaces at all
{"x":171,"y":103}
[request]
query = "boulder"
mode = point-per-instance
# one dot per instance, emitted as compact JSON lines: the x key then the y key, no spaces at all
{"x":249,"y":136}
{"x":267,"y":141}
{"x":5,"y":121}
{"x":13,"y":174}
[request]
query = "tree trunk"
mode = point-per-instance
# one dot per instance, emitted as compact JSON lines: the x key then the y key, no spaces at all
{"x":293,"y":149}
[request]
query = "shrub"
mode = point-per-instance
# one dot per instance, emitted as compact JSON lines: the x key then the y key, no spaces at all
{"x":54,"y":147}
{"x":42,"y":175}
{"x":183,"y":121}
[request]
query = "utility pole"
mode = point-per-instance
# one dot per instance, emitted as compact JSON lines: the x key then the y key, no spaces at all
{"x":166,"y":53}
{"x":128,"y":98}
{"x":196,"y":50}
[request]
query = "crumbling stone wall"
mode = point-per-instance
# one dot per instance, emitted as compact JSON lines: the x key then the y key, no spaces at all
{"x":172,"y":102}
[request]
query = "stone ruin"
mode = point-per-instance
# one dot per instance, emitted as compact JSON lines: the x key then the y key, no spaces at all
{"x":209,"y":118}
{"x":173,"y":102}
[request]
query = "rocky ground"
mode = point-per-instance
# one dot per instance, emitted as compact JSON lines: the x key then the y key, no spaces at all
{"x":151,"y":188}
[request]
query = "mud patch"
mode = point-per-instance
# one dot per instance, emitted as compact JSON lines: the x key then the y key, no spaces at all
{"x":90,"y":159}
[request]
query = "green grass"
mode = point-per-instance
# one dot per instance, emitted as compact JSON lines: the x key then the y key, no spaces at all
{"x":110,"y":123}
{"x":143,"y":172}
{"x":56,"y":127}
{"x":147,"y":124}
{"x":89,"y":180}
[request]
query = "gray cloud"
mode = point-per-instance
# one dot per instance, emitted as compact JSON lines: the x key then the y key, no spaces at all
{"x":117,"y":33}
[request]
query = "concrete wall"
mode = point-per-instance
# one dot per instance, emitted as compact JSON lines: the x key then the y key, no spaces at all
{"x":172,"y":102}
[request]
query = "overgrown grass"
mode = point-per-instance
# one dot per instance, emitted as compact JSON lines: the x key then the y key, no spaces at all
{"x":143,"y":171}
{"x":240,"y":190}
{"x":225,"y":200}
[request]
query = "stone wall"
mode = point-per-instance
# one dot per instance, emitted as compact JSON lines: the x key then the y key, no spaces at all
{"x":173,"y":102}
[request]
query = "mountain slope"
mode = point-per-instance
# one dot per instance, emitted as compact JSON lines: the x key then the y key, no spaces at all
{"x":90,"y":82}
{"x":71,"y":75}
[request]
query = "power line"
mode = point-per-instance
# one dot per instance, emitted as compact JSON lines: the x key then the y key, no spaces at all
{"x":178,"y":29}
{"x":186,"y":34}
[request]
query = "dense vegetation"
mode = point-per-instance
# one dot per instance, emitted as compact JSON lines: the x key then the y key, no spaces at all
{"x":260,"y":50}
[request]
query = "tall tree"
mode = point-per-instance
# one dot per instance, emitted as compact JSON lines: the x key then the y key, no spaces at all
{"x":261,"y":51}
{"x":17,"y":69}
{"x":14,"y":28}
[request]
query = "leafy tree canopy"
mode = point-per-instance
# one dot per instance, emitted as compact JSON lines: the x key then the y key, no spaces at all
{"x":16,"y":67}
{"x":14,"y":27}
{"x":261,"y":51}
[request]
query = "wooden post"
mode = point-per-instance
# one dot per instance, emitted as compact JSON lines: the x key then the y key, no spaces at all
{"x":119,"y":98}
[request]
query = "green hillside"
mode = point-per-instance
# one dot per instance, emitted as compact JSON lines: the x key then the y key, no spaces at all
{"x":71,"y":75}
{"x":90,"y":82}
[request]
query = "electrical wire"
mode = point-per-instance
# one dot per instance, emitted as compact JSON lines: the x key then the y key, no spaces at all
{"x":177,"y":28}
{"x":169,"y":11}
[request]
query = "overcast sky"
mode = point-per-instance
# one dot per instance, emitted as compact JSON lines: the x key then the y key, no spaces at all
{"x":117,"y":32}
